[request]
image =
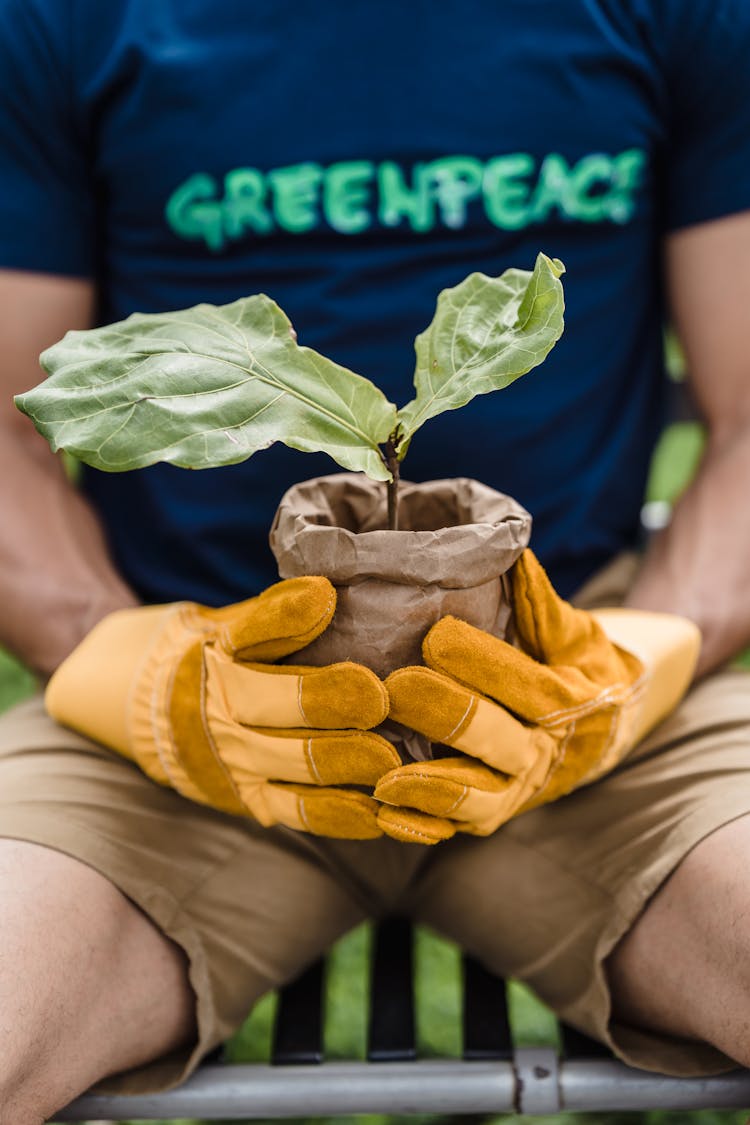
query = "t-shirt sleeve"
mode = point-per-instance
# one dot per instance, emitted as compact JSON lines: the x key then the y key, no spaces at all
{"x":46,"y":207}
{"x":708,"y":151}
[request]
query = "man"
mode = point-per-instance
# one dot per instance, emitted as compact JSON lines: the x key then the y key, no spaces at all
{"x":352,"y":162}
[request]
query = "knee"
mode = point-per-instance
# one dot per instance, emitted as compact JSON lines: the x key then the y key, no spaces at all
{"x":683,"y":968}
{"x":32,"y":1092}
{"x":18,"y":1108}
{"x":736,"y":1043}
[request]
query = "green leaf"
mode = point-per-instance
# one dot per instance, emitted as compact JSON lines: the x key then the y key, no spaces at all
{"x":486,"y":332}
{"x":204,"y":387}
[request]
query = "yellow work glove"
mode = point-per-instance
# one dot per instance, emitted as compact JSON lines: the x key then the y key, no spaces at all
{"x":531,"y":723}
{"x":193,"y":697}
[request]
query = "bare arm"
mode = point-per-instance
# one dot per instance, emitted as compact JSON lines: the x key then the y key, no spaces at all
{"x":56,"y":579}
{"x":698,"y":566}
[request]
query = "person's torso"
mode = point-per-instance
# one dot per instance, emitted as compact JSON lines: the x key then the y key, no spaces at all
{"x":351,"y":160}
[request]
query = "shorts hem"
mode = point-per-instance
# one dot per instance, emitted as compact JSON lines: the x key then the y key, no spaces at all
{"x":644,"y":1049}
{"x":167,"y":915}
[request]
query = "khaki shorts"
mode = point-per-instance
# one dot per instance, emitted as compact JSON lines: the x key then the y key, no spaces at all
{"x":545,"y":899}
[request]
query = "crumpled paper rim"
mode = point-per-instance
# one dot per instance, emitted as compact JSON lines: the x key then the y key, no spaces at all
{"x":445,"y":557}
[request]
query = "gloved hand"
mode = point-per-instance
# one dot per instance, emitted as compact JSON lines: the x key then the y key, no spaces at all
{"x":191,"y":695}
{"x":534,"y":723}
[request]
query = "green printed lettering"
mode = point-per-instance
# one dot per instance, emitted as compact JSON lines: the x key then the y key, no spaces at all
{"x":397,"y":201}
{"x":192,"y":213}
{"x":295,"y":196}
{"x":597,"y":188}
{"x":455,"y":180}
{"x":244,"y":190}
{"x":552,"y":189}
{"x":345,"y":195}
{"x":627,"y":177}
{"x":505,"y":190}
{"x":589,"y":173}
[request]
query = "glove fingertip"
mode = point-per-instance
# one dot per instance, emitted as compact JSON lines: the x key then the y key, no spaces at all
{"x":343,"y":695}
{"x":400,"y":684}
{"x":463,"y":652}
{"x":423,"y":787}
{"x":353,"y":758}
{"x":429,"y":702}
{"x":340,"y":815}
{"x":441,"y":638}
{"x":452,"y":646}
{"x":411,"y":827}
{"x":546,"y":623}
{"x":308,"y":603}
{"x":529,"y":579}
{"x":408,"y":670}
{"x":284,"y":618}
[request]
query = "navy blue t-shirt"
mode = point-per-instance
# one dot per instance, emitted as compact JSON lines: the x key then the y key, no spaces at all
{"x":352,"y":159}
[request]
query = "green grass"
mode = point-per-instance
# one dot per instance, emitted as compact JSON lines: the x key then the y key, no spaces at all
{"x":15,"y":681}
{"x":675,"y":461}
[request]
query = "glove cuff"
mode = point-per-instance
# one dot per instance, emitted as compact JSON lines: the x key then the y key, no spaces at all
{"x":667,"y":645}
{"x":90,"y":691}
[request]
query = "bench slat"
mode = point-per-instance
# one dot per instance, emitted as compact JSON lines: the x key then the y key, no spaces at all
{"x":298,"y":1032}
{"x":486,"y":1027}
{"x":391,"y":1035}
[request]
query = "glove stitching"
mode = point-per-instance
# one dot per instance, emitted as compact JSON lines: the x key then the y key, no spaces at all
{"x":607,"y":695}
{"x":420,"y":835}
{"x":331,"y":602}
{"x":457,"y":802}
{"x":305,"y":719}
{"x":210,"y":739}
{"x":158,"y":737}
{"x":618,"y":722}
{"x":639,"y":685}
{"x":614,"y":729}
{"x":431,"y":777}
{"x":562,"y":750}
{"x":632,"y":690}
{"x":634,"y":687}
{"x":135,"y":700}
{"x":554,"y":767}
{"x":311,"y":761}
{"x":303,"y":815}
{"x":155,"y":731}
{"x":530,"y":615}
{"x":461,"y":721}
{"x":192,"y":621}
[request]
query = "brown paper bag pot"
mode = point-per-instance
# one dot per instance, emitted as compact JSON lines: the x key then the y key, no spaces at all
{"x":457,"y":539}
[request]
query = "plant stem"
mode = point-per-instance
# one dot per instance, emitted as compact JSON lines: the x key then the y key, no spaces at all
{"x":391,"y":460}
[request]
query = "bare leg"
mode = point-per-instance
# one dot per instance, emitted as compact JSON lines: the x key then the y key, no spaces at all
{"x":684,"y":968}
{"x":88,"y":985}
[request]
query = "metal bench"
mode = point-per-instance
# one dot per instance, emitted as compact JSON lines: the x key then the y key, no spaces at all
{"x":495,"y":1076}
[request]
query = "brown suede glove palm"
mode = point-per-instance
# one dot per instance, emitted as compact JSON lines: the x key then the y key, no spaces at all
{"x":194,"y":697}
{"x":531,"y":723}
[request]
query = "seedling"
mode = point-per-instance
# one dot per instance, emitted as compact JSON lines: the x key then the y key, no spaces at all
{"x":212,"y":385}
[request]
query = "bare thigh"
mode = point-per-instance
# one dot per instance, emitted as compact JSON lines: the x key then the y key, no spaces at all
{"x":88,"y":985}
{"x":684,"y":968}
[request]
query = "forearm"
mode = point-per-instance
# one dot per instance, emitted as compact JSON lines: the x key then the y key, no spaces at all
{"x":697,"y":567}
{"x":56,"y":577}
